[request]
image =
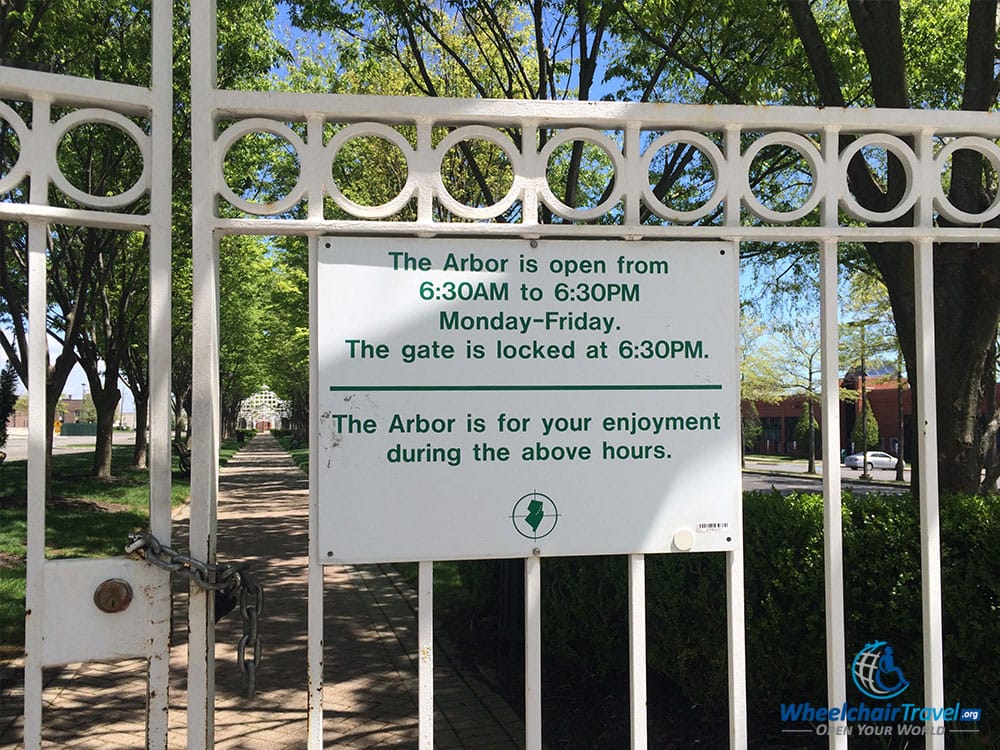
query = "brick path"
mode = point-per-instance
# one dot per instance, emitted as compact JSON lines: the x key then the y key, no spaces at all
{"x":370,"y":693}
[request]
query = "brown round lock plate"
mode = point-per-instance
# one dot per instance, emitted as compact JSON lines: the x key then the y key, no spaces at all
{"x":113,"y":595}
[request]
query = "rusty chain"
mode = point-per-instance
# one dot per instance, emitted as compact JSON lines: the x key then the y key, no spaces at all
{"x":225,"y":578}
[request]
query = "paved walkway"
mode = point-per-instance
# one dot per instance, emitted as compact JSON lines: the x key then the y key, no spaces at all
{"x":370,"y":694}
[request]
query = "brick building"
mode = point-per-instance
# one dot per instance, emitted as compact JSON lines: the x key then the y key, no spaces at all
{"x":890,"y":404}
{"x":885,"y":398}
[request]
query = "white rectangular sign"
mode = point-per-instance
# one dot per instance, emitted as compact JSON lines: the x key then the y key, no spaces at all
{"x":502,"y":398}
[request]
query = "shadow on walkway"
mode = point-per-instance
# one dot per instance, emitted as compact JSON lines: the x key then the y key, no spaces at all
{"x":370,"y":695}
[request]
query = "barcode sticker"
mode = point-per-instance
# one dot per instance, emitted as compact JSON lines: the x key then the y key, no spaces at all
{"x":703,"y":527}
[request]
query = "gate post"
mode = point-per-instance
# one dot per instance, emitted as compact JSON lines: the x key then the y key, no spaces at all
{"x":205,"y":419}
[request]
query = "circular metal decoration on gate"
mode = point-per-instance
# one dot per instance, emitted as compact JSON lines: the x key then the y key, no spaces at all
{"x":513,"y":169}
{"x":367,"y":137}
{"x":808,"y":151}
{"x":707,"y":149}
{"x":907,"y":159}
{"x":614,"y":154}
{"x":20,"y":167}
{"x":257,"y":126}
{"x":114,"y":120}
{"x":988,"y":149}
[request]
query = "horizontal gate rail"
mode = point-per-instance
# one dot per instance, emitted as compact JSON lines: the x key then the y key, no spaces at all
{"x":728,"y":137}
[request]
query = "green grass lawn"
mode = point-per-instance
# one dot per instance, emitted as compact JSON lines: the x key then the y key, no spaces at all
{"x":298,"y":450}
{"x":770,"y":459}
{"x":86,"y":517}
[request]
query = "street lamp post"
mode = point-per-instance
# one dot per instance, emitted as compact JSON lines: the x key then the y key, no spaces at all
{"x":864,"y":411}
{"x":899,"y":418}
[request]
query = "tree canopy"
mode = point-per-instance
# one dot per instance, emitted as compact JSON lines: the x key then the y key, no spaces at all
{"x":843,"y":53}
{"x":830,"y":53}
{"x":98,"y":279}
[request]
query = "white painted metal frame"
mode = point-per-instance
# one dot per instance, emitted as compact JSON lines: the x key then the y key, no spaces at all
{"x":813,"y":132}
{"x":147,"y":630}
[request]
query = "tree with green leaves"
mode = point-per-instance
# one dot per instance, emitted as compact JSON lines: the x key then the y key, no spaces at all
{"x":877,"y":54}
{"x":244,"y":294}
{"x":99,"y":278}
{"x":88,"y":409}
{"x":286,"y":337}
{"x":846,"y":53}
{"x":799,"y":372}
{"x":105,"y":40}
{"x":760,"y":380}
{"x":806,"y":429}
{"x":865,"y":435}
{"x":8,"y":399}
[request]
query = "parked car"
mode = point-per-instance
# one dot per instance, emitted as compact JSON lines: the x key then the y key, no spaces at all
{"x":875,"y":460}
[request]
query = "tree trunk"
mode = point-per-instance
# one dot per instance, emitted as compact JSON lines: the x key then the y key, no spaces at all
{"x":182,"y":407}
{"x":139,"y":454}
{"x":106,"y":403}
{"x":55,"y":381}
{"x":812,"y":439}
{"x":966,"y":311}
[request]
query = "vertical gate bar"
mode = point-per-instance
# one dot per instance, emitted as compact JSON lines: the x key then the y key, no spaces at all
{"x":733,"y":176}
{"x":425,"y":647}
{"x":37,"y":437}
{"x":735,"y":596}
{"x":736,"y":633}
{"x":633,"y":159}
{"x":930,"y":519}
{"x":833,"y":532}
{"x":205,"y":366}
{"x":204,"y":494}
{"x":312,"y":167}
{"x":533,"y":653}
{"x":529,"y":153}
{"x":314,"y":653}
{"x":424,"y":159}
{"x":159,"y":357}
{"x":637,"y":649}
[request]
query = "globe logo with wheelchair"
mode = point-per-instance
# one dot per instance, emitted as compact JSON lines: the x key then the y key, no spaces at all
{"x":875,"y":672}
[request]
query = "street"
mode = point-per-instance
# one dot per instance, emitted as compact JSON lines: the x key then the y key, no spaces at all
{"x":790,"y":476}
{"x":17,"y":443}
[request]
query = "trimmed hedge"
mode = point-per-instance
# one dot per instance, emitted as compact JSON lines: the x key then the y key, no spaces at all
{"x":584,"y":601}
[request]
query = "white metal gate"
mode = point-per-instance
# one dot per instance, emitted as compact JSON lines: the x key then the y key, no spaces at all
{"x":813,"y":133}
{"x":221,"y":117}
{"x":56,"y":587}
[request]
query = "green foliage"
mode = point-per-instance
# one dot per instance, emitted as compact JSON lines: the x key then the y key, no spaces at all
{"x":807,"y":423}
{"x":783,"y":560}
{"x":584,"y":601}
{"x":586,"y":584}
{"x":88,"y":413}
{"x":750,"y":426}
{"x":865,"y":432}
{"x":970,"y":529}
{"x":285,"y":348}
{"x":245,"y":290}
{"x":8,"y":399}
{"x":296,"y":445}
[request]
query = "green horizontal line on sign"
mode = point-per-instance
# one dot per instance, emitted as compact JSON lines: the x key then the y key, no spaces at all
{"x":672,"y":387}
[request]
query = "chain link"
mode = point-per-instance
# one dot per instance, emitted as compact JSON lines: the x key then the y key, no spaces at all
{"x":228,"y":578}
